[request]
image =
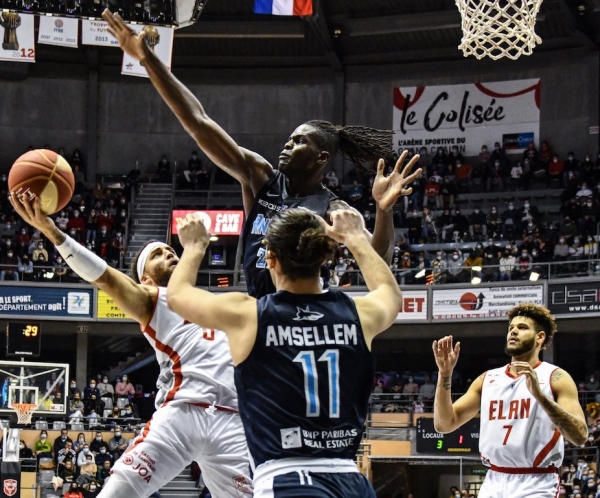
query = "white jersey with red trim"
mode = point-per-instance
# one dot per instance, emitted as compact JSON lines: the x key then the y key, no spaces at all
{"x":515,"y":429}
{"x":195,"y":363}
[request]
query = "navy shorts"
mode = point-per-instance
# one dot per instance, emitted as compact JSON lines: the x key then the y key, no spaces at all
{"x":305,"y":484}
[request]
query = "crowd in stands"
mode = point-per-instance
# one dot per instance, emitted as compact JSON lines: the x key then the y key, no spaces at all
{"x":96,"y":218}
{"x":508,"y":240}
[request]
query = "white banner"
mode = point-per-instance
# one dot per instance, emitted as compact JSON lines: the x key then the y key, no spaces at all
{"x":18,"y":41}
{"x":467,"y":116}
{"x":61,"y":31}
{"x":414,"y":305}
{"x":163,"y":50}
{"x":483,"y":302}
{"x":94,"y":33}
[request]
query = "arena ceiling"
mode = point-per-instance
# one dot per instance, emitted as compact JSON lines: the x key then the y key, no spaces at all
{"x":343,"y":33}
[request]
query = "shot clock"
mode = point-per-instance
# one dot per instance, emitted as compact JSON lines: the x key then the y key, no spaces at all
{"x":463,"y":440}
{"x":23,"y":339}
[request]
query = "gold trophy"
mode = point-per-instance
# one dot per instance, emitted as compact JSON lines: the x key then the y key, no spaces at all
{"x":152,"y":37}
{"x":10,"y":21}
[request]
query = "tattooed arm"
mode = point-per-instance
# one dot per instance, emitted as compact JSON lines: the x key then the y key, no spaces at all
{"x":566,"y":412}
{"x":448,"y":417}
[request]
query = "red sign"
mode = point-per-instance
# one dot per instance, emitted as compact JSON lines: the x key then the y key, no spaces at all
{"x":10,"y":487}
{"x":216,"y":222}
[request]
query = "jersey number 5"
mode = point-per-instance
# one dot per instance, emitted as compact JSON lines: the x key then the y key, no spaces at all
{"x":311,"y":381}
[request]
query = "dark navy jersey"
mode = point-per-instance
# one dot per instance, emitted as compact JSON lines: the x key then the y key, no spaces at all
{"x":304,"y":389}
{"x":272,"y":199}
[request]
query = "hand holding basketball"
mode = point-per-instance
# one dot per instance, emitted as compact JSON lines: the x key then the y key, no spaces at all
{"x":45,"y":175}
{"x":31,"y":213}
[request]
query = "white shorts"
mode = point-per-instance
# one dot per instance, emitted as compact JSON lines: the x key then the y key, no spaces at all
{"x":176,"y":435}
{"x":502,"y":485}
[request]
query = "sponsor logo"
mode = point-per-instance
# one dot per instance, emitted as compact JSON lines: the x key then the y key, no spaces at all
{"x":290,"y":438}
{"x":514,"y":141}
{"x":272,"y":194}
{"x":306,"y":314}
{"x":78,"y":303}
{"x":243,"y":486}
{"x":58,"y":23}
{"x":10,"y":487}
{"x":470,"y":302}
{"x":127,"y":459}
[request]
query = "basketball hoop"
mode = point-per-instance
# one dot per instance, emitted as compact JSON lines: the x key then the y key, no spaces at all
{"x":24,"y":412}
{"x":498,"y":28}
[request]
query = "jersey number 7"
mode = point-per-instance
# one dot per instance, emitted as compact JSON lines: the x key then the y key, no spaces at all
{"x":311,"y":381}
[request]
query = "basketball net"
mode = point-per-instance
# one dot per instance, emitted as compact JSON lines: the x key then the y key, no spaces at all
{"x":24,"y":412}
{"x":498,"y":28}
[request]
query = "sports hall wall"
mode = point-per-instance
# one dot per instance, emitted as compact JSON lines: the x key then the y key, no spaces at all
{"x":54,"y":104}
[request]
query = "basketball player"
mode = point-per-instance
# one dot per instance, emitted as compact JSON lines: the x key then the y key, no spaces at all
{"x":297,"y":180}
{"x":526,"y":409}
{"x":304,"y":369}
{"x":197,"y":408}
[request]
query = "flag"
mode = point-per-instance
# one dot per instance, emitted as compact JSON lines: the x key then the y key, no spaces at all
{"x":284,"y":7}
{"x":62,"y":31}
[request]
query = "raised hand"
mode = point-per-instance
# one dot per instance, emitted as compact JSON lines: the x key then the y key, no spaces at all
{"x":31,"y":213}
{"x":446,"y":356}
{"x":132,"y":43}
{"x":192,"y":232}
{"x":345,"y":225}
{"x":386,"y":190}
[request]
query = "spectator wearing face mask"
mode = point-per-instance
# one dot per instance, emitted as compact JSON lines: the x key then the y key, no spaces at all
{"x":561,"y":253}
{"x":24,"y":451}
{"x":447,"y":224}
{"x":62,"y":221}
{"x":90,"y":227}
{"x":84,"y":453}
{"x":97,"y":444}
{"x":477,"y":224}
{"x":464,"y":172}
{"x":67,"y":473}
{"x":90,"y":389}
{"x":62,"y":440}
{"x":103,"y":456}
{"x":494,"y":174}
{"x":103,"y":471}
{"x":73,"y":491}
{"x":589,"y":216}
{"x":127,"y":411}
{"x":506,"y":266}
{"x":43,"y":446}
{"x":568,"y":230}
{"x":87,"y":473}
{"x":456,"y":272}
{"x":117,"y":445}
{"x":78,"y":223}
{"x":124,"y":389}
{"x":490,"y":270}
{"x":40,"y":251}
{"x":511,"y":221}
{"x":79,"y":442}
{"x":555,"y":171}
{"x":9,"y":266}
{"x":592,"y":384}
{"x":107,"y":391}
{"x":60,"y":269}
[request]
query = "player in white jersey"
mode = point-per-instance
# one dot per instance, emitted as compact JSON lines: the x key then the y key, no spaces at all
{"x":526,"y":409}
{"x":196,"y":416}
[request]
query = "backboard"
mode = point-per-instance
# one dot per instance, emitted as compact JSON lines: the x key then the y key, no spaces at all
{"x":42,"y":384}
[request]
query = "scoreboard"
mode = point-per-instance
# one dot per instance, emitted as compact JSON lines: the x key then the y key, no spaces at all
{"x":465,"y":439}
{"x":23,"y":339}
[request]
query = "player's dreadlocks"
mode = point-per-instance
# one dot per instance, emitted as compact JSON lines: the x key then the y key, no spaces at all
{"x":356,"y":143}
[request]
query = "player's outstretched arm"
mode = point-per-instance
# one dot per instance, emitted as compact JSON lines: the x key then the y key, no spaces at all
{"x":135,"y":300}
{"x":245,"y":166}
{"x":448,"y":417}
{"x":233,"y":312}
{"x":378,"y":309}
{"x":565,"y":411}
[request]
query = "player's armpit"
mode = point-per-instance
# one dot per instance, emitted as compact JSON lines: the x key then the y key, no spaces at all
{"x":376,"y":311}
{"x":134,"y":299}
{"x":232,"y":312}
{"x":566,"y":412}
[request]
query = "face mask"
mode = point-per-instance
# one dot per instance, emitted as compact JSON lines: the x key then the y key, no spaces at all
{"x":9,"y":254}
{"x":21,"y":446}
{"x":92,"y":385}
{"x":534,"y":253}
{"x":43,"y":436}
{"x":81,"y":440}
{"x":555,"y":160}
{"x":40,"y":246}
{"x":103,"y":232}
{"x":102,"y":450}
{"x":478,"y":246}
{"x":439,"y":258}
{"x":128,"y":412}
{"x":76,"y":214}
{"x":526,"y":206}
{"x":98,"y":438}
{"x":410,"y":379}
{"x":454,"y":257}
{"x":493,"y":211}
{"x":92,"y":487}
{"x":124,"y":379}
{"x":562,"y":241}
{"x":489,"y":256}
{"x":589,"y":204}
{"x":86,"y":451}
{"x":117,"y":434}
{"x":64,"y":438}
{"x":105,"y":381}
{"x":510,"y":208}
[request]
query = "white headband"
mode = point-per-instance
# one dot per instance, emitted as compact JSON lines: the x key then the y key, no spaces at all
{"x":141,"y":262}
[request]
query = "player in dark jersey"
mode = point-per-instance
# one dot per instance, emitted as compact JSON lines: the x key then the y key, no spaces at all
{"x":304,"y":159}
{"x":303,"y":366}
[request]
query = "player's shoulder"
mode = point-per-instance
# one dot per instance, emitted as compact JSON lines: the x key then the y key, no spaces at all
{"x":559,"y":375}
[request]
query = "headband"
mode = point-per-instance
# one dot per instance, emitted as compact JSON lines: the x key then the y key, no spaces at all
{"x":141,"y":262}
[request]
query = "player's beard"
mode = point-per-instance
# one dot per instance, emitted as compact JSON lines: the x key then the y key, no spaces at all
{"x":520,"y":349}
{"x":162,"y":275}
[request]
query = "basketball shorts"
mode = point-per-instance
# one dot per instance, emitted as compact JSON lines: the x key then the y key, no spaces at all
{"x":176,"y":435}
{"x":502,"y":485}
{"x":318,"y":478}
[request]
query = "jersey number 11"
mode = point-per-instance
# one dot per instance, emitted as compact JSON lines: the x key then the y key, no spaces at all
{"x":311,"y":381}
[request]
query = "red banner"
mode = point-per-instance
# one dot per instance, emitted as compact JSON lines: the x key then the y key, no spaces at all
{"x":216,"y":222}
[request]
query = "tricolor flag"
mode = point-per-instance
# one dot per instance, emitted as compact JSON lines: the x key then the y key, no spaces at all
{"x":284,"y":7}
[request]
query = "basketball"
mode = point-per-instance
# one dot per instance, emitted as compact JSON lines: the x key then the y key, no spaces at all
{"x":45,"y":174}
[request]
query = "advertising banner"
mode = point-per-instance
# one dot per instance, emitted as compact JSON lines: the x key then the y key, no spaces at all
{"x":18,"y":40}
{"x":62,"y":31}
{"x":581,"y":298}
{"x":46,"y":302}
{"x":482,"y":302}
{"x":160,"y":39}
{"x":107,"y":309}
{"x":216,"y":222}
{"x":414,"y":305}
{"x":94,"y":33}
{"x":467,"y":116}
